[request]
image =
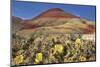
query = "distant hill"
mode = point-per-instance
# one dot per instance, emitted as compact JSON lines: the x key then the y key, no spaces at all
{"x":16,"y":22}
{"x":55,"y":13}
{"x":55,"y":20}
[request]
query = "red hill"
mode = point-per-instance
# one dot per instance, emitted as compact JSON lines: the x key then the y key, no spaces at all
{"x":55,"y":13}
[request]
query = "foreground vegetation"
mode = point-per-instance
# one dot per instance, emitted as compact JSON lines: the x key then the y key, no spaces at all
{"x":51,"y":48}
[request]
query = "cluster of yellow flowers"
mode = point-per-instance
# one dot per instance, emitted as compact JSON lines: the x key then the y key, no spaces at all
{"x":58,"y":48}
{"x":82,"y":58}
{"x":39,"y":58}
{"x":19,"y":59}
{"x":77,"y":42}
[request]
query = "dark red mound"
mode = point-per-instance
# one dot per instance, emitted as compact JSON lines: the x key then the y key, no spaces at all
{"x":56,"y":13}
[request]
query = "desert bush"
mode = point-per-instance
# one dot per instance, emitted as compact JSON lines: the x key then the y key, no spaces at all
{"x":42,"y":49}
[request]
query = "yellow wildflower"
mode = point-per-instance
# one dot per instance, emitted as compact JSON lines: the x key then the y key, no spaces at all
{"x":38,"y":58}
{"x":78,"y":42}
{"x":18,"y":59}
{"x":59,"y":48}
{"x":70,"y":59}
{"x":82,"y":58}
